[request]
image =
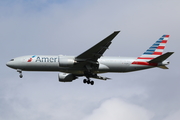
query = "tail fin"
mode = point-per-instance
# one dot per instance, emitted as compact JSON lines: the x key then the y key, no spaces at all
{"x":156,"y":49}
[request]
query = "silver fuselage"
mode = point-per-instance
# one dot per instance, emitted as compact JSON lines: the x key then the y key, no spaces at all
{"x":51,"y":63}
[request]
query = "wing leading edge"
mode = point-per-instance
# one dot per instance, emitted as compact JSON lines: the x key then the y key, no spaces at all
{"x":95,"y":52}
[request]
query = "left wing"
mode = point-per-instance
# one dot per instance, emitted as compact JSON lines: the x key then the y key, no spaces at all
{"x":95,"y":52}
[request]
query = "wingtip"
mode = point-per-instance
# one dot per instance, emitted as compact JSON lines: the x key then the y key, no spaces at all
{"x":117,"y":31}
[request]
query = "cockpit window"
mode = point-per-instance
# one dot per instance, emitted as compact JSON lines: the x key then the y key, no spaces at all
{"x":12,"y":60}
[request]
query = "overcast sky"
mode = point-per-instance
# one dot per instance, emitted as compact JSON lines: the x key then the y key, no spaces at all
{"x":69,"y":27}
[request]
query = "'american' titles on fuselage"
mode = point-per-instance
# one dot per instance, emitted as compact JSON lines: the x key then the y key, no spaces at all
{"x":46,"y":59}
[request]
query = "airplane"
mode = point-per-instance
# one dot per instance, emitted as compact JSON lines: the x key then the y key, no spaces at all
{"x":92,"y":62}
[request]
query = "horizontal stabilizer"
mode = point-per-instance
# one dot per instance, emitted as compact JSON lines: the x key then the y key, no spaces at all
{"x":163,"y":67}
{"x":161,"y":58}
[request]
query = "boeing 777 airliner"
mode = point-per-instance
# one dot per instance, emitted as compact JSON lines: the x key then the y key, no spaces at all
{"x":90,"y":63}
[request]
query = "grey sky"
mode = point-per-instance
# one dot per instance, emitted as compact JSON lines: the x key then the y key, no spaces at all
{"x":71,"y":27}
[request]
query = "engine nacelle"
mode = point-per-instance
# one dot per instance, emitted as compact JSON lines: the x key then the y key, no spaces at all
{"x":64,"y":61}
{"x":66,"y":77}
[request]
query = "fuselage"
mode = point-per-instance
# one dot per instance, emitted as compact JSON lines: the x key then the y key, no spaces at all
{"x":52,"y":63}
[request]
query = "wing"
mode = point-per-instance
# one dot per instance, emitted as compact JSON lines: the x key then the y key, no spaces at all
{"x":95,"y":52}
{"x":88,"y":60}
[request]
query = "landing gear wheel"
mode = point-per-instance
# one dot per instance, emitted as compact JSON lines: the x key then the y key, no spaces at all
{"x":92,"y":82}
{"x":20,"y":75}
{"x":88,"y":81}
{"x":84,"y":81}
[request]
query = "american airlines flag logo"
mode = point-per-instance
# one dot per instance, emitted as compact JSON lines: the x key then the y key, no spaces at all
{"x":156,"y":49}
{"x":30,"y":59}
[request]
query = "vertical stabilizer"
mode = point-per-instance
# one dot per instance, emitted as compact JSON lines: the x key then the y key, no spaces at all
{"x":155,"y":50}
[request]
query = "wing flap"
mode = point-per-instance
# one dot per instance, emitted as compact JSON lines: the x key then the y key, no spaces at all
{"x":101,"y":78}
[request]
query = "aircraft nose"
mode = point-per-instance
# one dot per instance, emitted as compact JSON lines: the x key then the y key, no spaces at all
{"x":11,"y":64}
{"x":8,"y":64}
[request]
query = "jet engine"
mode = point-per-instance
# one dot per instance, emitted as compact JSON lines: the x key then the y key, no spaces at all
{"x":66,"y":77}
{"x":65,"y":61}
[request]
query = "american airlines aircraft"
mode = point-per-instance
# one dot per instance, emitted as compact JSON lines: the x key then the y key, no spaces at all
{"x":90,"y":63}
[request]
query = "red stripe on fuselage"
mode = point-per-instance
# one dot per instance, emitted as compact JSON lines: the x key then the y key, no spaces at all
{"x":145,"y":58}
{"x":144,"y":63}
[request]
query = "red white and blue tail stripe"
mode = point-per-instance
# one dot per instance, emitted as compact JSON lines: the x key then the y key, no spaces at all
{"x":155,"y":50}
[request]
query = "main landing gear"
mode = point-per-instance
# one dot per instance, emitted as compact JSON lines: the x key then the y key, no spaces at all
{"x":88,"y":81}
{"x":20,"y":73}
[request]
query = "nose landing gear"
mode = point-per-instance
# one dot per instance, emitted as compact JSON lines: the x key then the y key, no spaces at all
{"x":20,"y":73}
